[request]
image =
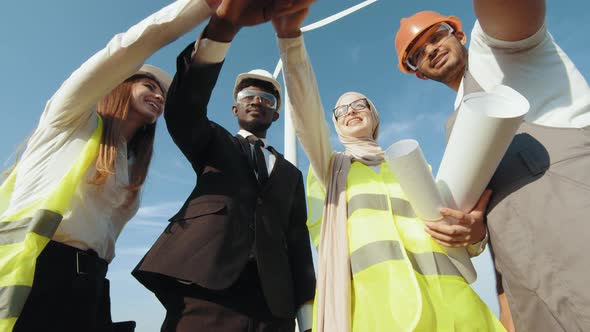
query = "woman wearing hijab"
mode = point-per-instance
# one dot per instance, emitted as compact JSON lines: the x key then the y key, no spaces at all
{"x":378,"y":269}
{"x":78,"y":182}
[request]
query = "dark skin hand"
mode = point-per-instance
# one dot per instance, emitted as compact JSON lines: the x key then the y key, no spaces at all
{"x":232,"y":15}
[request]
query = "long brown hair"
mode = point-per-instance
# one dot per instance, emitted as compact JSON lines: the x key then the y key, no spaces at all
{"x":113,"y":108}
{"x":16,"y":154}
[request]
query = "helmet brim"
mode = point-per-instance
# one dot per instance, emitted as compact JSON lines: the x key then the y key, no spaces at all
{"x":163,"y":79}
{"x":255,"y":76}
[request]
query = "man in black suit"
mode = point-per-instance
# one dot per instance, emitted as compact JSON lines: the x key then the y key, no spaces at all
{"x":236,"y":257}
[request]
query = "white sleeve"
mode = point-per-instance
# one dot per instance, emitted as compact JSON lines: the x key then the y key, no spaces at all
{"x":306,"y":105}
{"x":208,"y":51}
{"x":77,"y":97}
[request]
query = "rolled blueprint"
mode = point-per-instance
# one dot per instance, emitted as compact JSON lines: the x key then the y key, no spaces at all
{"x":485,"y":125}
{"x":407,"y":162}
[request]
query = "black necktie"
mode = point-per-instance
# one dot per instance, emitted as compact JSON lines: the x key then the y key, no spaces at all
{"x":259,"y":161}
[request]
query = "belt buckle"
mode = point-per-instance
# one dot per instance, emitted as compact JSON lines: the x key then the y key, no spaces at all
{"x":79,"y":266}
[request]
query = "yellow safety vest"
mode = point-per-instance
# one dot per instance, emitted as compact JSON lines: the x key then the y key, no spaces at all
{"x":24,"y":235}
{"x":401,"y":279}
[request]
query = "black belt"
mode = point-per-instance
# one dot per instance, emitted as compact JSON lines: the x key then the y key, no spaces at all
{"x":84,"y":262}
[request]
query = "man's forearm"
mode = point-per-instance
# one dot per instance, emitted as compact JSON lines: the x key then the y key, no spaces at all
{"x":220,"y":30}
{"x":510,"y":20}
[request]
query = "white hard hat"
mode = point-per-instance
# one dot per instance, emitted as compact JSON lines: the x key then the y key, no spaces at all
{"x":163,"y":79}
{"x":262,"y":75}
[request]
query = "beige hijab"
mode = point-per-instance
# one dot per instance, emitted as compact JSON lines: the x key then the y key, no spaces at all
{"x":333,"y":301}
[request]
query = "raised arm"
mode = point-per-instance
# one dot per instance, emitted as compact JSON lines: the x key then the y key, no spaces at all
{"x":510,"y":20}
{"x":188,"y":97}
{"x":121,"y":58}
{"x":198,"y":68}
{"x":303,"y":94}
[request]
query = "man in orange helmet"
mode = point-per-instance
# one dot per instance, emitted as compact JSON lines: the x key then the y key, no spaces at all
{"x":538,"y":216}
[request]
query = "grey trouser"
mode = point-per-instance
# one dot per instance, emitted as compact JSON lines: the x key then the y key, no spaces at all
{"x":539,"y":224}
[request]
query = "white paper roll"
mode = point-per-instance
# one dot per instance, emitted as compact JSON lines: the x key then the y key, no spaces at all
{"x":407,"y":162}
{"x":485,"y":125}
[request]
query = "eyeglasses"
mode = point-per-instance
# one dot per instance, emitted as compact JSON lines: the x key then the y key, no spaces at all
{"x":266,"y":99}
{"x":357,"y":105}
{"x":441,"y":32}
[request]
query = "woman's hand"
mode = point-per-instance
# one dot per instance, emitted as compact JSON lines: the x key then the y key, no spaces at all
{"x":460,"y":229}
{"x":289,"y":25}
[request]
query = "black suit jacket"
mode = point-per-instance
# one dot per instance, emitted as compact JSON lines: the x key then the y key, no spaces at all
{"x":229,"y":214}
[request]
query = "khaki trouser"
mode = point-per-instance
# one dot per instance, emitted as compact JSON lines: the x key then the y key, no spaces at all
{"x":539,"y":224}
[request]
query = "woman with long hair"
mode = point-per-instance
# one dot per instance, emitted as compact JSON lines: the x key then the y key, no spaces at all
{"x":380,"y":268}
{"x":79,"y":179}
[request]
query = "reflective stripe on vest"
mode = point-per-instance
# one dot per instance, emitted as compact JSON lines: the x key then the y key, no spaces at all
{"x":400,"y":207}
{"x":382,"y":251}
{"x":24,"y":235}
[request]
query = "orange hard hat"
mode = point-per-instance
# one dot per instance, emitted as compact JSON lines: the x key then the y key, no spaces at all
{"x":412,"y":27}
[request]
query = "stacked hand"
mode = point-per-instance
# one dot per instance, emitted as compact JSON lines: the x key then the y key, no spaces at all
{"x":460,"y":229}
{"x":231,"y":15}
{"x":252,"y":12}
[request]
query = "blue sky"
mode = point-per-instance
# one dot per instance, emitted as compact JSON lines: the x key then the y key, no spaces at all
{"x":42,"y":43}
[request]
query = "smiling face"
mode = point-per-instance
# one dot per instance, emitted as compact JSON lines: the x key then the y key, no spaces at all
{"x":355,"y":123}
{"x":441,"y":58}
{"x":147,"y":102}
{"x":253,"y":115}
